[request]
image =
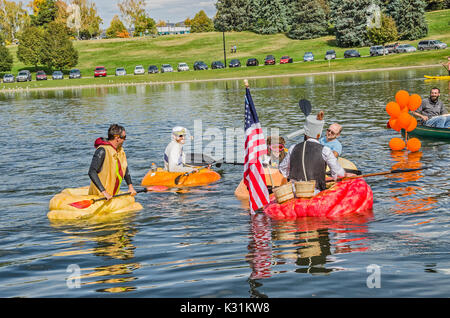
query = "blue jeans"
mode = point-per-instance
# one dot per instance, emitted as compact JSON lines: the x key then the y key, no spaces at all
{"x":438,"y":121}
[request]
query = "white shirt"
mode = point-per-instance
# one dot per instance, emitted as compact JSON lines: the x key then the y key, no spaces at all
{"x":327,"y":155}
{"x":175,"y":158}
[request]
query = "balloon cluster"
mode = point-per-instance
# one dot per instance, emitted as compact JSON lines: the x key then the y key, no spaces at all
{"x":401,"y":119}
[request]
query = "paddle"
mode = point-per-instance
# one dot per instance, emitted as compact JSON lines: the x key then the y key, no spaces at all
{"x":379,"y":173}
{"x":177,"y":179}
{"x":357,"y":172}
{"x":305,"y":106}
{"x":87,"y":203}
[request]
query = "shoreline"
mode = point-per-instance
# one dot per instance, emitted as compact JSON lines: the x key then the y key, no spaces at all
{"x":72,"y":87}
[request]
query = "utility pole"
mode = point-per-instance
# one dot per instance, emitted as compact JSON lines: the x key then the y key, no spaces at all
{"x":224,"y":49}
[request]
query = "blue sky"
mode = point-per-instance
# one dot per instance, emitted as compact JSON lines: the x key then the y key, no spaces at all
{"x":166,"y":10}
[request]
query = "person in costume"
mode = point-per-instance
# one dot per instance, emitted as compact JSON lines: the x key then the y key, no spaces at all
{"x":109,"y":164}
{"x":308,"y":160}
{"x":174,"y":156}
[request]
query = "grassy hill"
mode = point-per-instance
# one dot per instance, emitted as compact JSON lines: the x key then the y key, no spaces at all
{"x":208,"y":47}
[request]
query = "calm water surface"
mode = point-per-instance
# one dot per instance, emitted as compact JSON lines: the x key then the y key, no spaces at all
{"x":204,"y":243}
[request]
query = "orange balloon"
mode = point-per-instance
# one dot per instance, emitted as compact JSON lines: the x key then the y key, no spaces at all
{"x":412,"y":125}
{"x":414,"y":102}
{"x":402,"y":98}
{"x":393,"y":123}
{"x":404,"y":119}
{"x":413,"y":144}
{"x":396,"y":143}
{"x":393,"y":109}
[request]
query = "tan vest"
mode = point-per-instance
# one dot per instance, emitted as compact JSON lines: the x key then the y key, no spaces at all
{"x":109,"y":175}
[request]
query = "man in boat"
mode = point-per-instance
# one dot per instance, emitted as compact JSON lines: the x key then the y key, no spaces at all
{"x":174,"y":156}
{"x":109,"y":164}
{"x":330,"y":139}
{"x":432,"y":111}
{"x":308,"y":160}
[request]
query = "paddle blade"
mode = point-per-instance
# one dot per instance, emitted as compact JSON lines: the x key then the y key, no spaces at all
{"x":81,"y":204}
{"x":157,"y":188}
{"x":305,"y":106}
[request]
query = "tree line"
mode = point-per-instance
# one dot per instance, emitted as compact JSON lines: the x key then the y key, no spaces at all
{"x":352,"y":22}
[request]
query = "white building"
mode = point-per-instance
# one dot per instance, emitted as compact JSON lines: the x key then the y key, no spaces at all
{"x":172,"y":28}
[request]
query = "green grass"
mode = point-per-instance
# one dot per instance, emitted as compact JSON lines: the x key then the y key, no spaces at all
{"x":208,"y":47}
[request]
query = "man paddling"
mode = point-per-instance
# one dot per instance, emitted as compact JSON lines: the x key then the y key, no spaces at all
{"x":308,"y":160}
{"x":109,"y":164}
{"x":174,"y":156}
{"x":447,"y":65}
{"x":432,"y":111}
{"x":330,"y":139}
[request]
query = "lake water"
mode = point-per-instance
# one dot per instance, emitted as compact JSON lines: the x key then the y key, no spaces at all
{"x":204,"y":243}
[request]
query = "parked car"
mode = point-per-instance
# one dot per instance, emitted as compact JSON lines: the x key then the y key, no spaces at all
{"x":308,"y":56}
{"x":152,"y":69}
{"x":139,"y":70}
{"x":8,"y":78}
{"x":234,"y":63}
{"x":217,"y":65}
{"x":120,"y":71}
{"x":166,"y":68}
{"x":330,"y":55}
{"x":100,"y":71}
{"x":182,"y":67}
{"x":252,"y":62}
{"x":377,"y":50}
{"x":286,"y":59}
{"x":405,"y":48}
{"x":200,"y":65}
{"x":351,"y":53}
{"x":269,"y":60}
{"x":431,"y":45}
{"x":391,"y":48}
{"x":75,"y":73}
{"x":23,"y":76}
{"x":57,"y":75}
{"x":41,"y":76}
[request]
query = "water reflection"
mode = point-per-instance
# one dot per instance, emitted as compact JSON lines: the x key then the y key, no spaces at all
{"x":114,"y":241}
{"x":307,"y":242}
{"x":409,"y":198}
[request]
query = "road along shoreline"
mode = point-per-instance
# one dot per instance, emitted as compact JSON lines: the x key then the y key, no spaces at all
{"x":72,"y":87}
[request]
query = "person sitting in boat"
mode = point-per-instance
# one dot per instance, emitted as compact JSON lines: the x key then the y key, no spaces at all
{"x":432,"y":111}
{"x":174,"y":156}
{"x":330,"y":139}
{"x":109,"y":164}
{"x":276,"y":151}
{"x":308,"y":160}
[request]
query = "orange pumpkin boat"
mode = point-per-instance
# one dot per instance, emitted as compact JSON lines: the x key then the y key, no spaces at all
{"x":163,"y":177}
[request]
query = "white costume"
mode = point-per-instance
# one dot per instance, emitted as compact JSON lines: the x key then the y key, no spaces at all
{"x":174,"y":157}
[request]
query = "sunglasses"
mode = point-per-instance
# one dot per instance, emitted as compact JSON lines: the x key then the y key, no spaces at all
{"x":331,"y":132}
{"x":179,"y":136}
{"x":123,"y":137}
{"x":277,"y":147}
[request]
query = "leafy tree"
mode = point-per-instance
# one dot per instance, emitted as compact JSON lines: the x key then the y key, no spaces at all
{"x":46,"y":13}
{"x":144,"y":24}
{"x":232,"y":15}
{"x":12,"y":19}
{"x":28,"y":50}
{"x":350,"y":21}
{"x":57,"y":51}
{"x":268,"y":16}
{"x":115,"y":27}
{"x":308,"y":20}
{"x":6,"y":59}
{"x":409,"y":16}
{"x":387,"y":32}
{"x":201,"y":23}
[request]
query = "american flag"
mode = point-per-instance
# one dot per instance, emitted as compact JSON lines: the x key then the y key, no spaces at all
{"x":255,"y":148}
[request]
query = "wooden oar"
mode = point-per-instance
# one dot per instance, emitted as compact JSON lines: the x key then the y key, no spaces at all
{"x":379,"y":174}
{"x":305,"y":106}
{"x":87,"y":203}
